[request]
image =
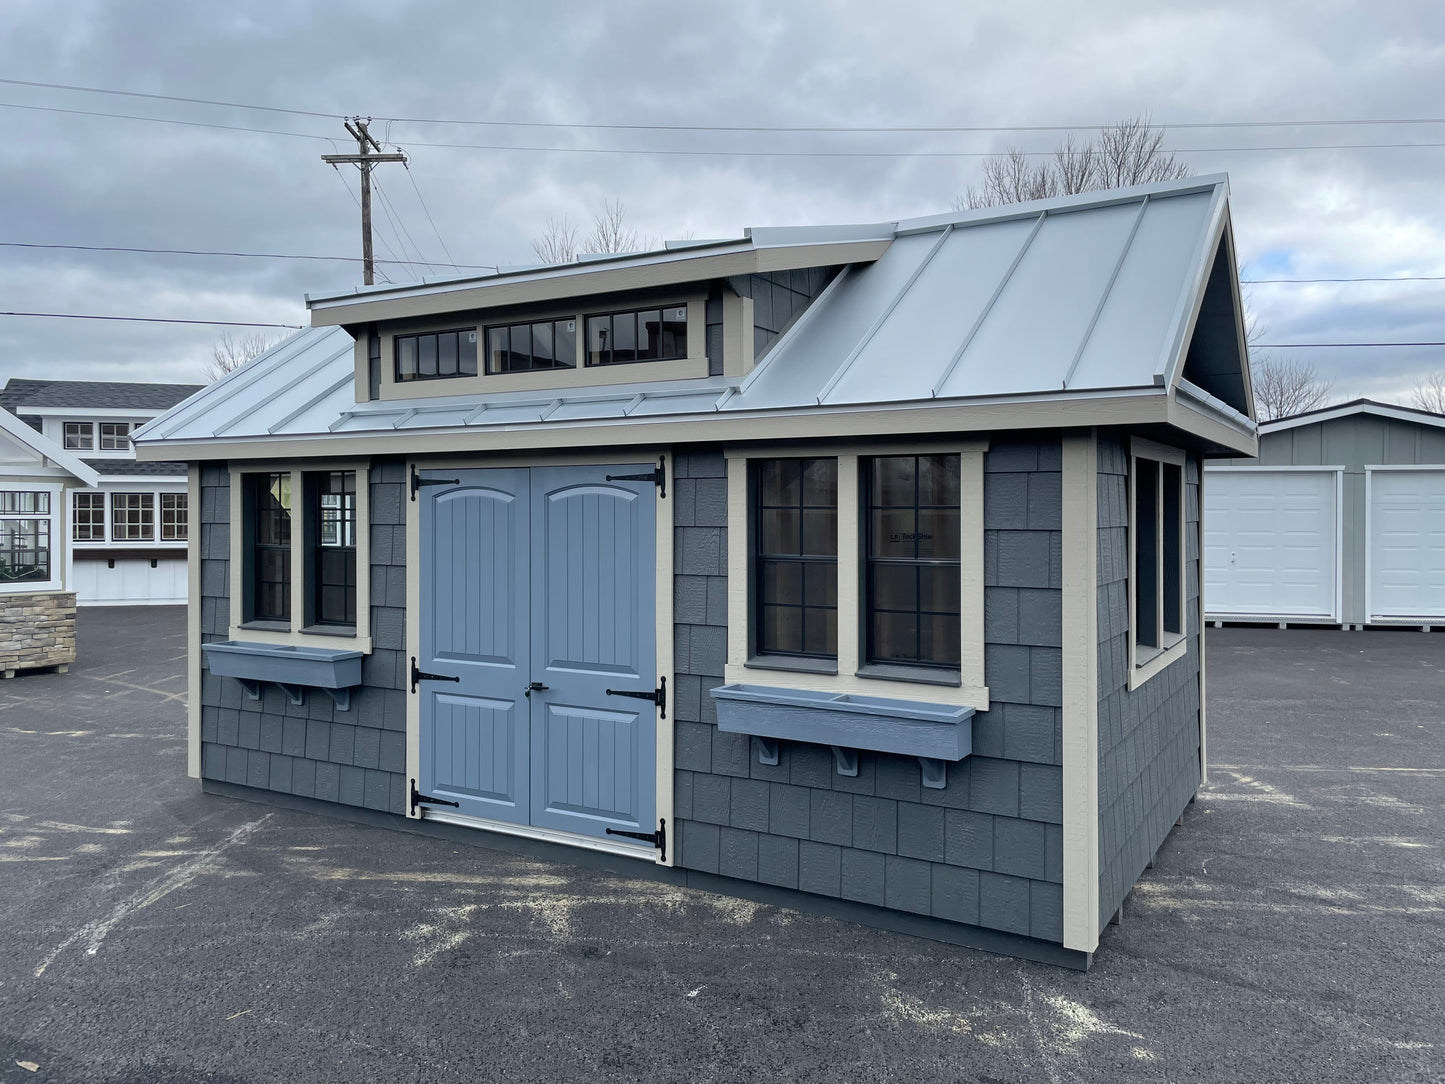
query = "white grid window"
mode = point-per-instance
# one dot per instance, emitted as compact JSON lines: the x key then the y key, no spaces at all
{"x":24,"y":537}
{"x":173,"y":517}
{"x":114,"y":436}
{"x":89,"y":517}
{"x":132,"y":517}
{"x":79,"y":436}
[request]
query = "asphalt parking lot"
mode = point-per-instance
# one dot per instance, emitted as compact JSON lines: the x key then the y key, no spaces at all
{"x":1291,"y":930}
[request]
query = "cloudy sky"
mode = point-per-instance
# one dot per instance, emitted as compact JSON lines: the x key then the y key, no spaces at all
{"x":492,"y":102}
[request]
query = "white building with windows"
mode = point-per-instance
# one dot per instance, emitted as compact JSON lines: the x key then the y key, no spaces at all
{"x":126,"y":538}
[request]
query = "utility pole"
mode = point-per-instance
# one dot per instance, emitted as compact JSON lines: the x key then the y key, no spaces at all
{"x":367,"y":157}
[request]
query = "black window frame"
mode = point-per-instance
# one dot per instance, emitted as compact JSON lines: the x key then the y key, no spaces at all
{"x":511,"y":327}
{"x":91,"y":516}
{"x":257,"y":488}
{"x":119,"y":431}
{"x":677,"y":339}
{"x":26,"y":515}
{"x":421,"y":339}
{"x":763,"y":560}
{"x":174,"y":515}
{"x":78,"y":436}
{"x":873,"y":561}
{"x":132,"y":516}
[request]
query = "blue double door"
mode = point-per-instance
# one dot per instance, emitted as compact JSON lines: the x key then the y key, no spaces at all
{"x":538,"y":593}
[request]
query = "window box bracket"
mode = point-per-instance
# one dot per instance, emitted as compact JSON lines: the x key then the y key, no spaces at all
{"x":293,"y":669}
{"x":936,"y":734}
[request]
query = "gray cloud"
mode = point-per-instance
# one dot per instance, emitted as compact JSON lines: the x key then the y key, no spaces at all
{"x":88,"y":180}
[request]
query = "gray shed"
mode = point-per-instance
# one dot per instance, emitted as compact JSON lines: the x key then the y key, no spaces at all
{"x":854,"y":568}
{"x":1340,"y":521}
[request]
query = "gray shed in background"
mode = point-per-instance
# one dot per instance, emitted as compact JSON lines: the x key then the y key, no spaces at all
{"x":1340,"y":521}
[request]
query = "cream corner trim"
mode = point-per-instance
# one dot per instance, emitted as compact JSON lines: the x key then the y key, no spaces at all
{"x":193,"y":621}
{"x":1081,"y":693}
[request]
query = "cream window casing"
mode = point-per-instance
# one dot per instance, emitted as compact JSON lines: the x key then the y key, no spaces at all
{"x":1145,"y":660}
{"x":582,"y":375}
{"x":57,"y":525}
{"x":301,"y":565}
{"x":971,"y":690}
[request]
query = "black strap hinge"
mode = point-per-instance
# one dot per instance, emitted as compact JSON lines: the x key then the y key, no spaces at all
{"x":417,"y":481}
{"x":658,"y":838}
{"x":658,"y":696}
{"x":422,"y":675}
{"x":657,"y":476}
{"x":428,"y":799}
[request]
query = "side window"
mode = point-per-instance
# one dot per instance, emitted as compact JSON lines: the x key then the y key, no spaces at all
{"x":267,"y":508}
{"x":796,"y":557}
{"x":114,"y":436}
{"x":331,"y":513}
{"x":1156,"y":483}
{"x":912,"y":596}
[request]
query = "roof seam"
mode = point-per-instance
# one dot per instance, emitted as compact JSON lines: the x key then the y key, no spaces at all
{"x":1108,"y":290}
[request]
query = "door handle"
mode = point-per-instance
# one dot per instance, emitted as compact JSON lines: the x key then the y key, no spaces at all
{"x":534,"y":687}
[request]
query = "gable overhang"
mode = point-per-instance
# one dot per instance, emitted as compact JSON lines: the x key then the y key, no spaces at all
{"x":50,"y":453}
{"x":603,"y":276}
{"x":1346,"y":410}
{"x":1217,"y":243}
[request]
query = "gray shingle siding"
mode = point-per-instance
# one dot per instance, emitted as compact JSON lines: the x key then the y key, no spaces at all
{"x":986,"y":850}
{"x":1148,"y":738}
{"x":356,"y":757}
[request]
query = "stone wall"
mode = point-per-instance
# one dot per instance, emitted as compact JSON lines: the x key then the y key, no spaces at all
{"x":988,"y":849}
{"x":355,"y":757}
{"x":1148,"y":737}
{"x":36,"y":629}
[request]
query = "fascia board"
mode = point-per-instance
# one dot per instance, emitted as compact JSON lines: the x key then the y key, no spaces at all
{"x":91,"y":413}
{"x":576,"y":281}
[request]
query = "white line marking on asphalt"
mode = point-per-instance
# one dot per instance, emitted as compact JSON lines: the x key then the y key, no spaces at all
{"x":95,"y":932}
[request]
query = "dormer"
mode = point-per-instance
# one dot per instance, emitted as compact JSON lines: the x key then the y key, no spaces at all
{"x":697,"y":311}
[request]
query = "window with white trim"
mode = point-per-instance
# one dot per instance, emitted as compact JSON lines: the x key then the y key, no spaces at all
{"x":79,"y":436}
{"x":114,"y":436}
{"x":175,"y":519}
{"x":89,"y":518}
{"x":132,"y":517}
{"x":1156,"y":544}
{"x":25,"y":521}
{"x":864,"y":571}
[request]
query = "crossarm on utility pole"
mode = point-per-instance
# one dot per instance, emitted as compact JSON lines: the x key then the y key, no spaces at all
{"x":365,"y":160}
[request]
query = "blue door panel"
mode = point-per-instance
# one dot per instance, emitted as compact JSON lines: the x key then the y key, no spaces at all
{"x":542,"y":576}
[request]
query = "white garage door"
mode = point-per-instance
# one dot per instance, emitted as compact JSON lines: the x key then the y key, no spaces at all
{"x":1271,"y":542}
{"x":1407,"y":543}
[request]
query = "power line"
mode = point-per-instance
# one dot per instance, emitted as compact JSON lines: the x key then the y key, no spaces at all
{"x":412,"y":177}
{"x":586,"y":126}
{"x":672,"y":152}
{"x":1291,"y":346}
{"x":399,"y":227}
{"x":153,"y":320}
{"x":1388,"y":278}
{"x":246,"y":255}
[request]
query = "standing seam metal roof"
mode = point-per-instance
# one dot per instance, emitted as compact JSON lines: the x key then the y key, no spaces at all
{"x":1083,"y":296}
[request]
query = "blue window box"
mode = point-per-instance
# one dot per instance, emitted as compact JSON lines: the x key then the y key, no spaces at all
{"x":935,"y":733}
{"x":293,"y":668}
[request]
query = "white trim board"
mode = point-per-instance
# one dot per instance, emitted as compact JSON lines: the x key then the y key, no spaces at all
{"x":1383,"y":410}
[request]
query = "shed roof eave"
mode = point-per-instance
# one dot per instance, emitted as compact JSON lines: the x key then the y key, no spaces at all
{"x":1355,"y":406}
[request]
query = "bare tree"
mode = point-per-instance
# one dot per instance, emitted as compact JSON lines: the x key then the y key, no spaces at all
{"x":1429,"y":392}
{"x":559,"y":243}
{"x":1129,"y":152}
{"x":1285,"y":388}
{"x":610,"y":233}
{"x":232,"y":352}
